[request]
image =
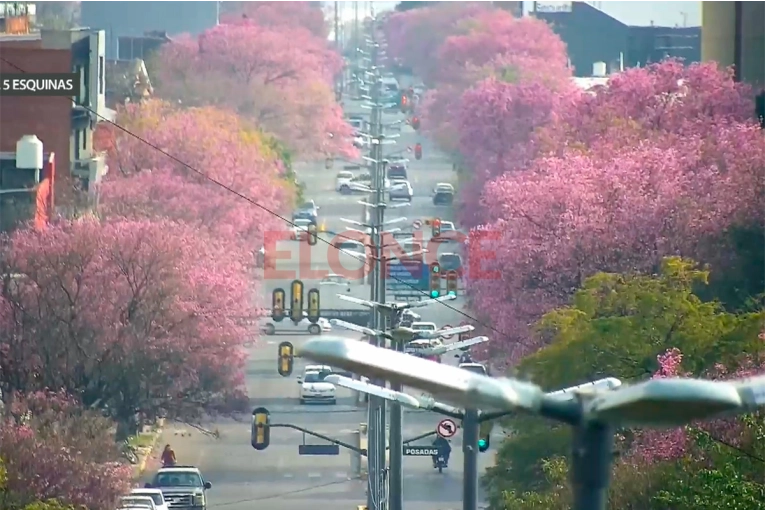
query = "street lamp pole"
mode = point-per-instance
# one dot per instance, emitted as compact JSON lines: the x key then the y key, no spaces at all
{"x":470,"y":431}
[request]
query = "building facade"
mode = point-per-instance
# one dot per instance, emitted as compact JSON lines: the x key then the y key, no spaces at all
{"x":122,"y":22}
{"x":733,"y":34}
{"x":592,"y":36}
{"x":65,"y":125}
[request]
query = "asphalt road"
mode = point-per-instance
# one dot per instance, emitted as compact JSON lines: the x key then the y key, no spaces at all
{"x":279,"y":478}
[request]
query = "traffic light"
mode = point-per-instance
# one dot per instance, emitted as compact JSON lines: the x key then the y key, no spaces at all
{"x":435,"y":227}
{"x":404,"y":102}
{"x":415,"y":123}
{"x":451,"y":282}
{"x":484,"y":435}
{"x":435,"y":279}
{"x":313,"y":234}
{"x":277,"y":305}
{"x":260,"y":435}
{"x":314,"y":306}
{"x":418,"y":151}
{"x":286,"y":359}
{"x":296,"y":310}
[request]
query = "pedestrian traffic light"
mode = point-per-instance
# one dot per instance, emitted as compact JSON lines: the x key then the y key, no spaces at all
{"x":435,"y":227}
{"x":415,"y":123}
{"x":314,"y":306}
{"x":296,"y":310}
{"x":435,"y":279}
{"x":260,"y":435}
{"x":313,"y":234}
{"x":418,"y":151}
{"x":484,"y":435}
{"x":277,"y":305}
{"x":451,"y":282}
{"x":286,"y":359}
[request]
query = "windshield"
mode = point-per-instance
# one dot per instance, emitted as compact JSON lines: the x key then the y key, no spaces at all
{"x":156,"y":497}
{"x":308,"y":205}
{"x":345,"y":175}
{"x":313,"y":377}
{"x":178,"y":480}
{"x":302,"y":222}
{"x":424,"y":327}
{"x":450,"y":262}
{"x":397,"y":173}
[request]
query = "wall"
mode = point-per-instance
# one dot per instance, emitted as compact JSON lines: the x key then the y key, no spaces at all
{"x":46,"y":117}
{"x":719,"y":32}
{"x":590,"y":36}
{"x":137,"y":18}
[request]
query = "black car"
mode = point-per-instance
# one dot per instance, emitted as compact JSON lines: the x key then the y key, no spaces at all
{"x":443,"y":198}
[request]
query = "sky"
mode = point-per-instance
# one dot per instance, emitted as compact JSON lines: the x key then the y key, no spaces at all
{"x":631,"y":13}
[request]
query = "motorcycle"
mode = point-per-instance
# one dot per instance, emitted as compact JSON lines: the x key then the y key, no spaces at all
{"x":440,"y":463}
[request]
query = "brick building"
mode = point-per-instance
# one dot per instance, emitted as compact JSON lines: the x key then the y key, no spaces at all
{"x":64,"y":125}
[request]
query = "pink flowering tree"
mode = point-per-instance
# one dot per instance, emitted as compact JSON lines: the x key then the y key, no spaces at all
{"x":490,"y":44}
{"x":278,"y":78}
{"x":566,"y":218}
{"x":127,"y":315}
{"x":149,"y":184}
{"x":498,"y":123}
{"x":52,"y":448}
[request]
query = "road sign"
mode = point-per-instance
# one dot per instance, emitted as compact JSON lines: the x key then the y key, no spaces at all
{"x":446,"y":428}
{"x":416,"y":224}
{"x":447,"y":336}
{"x":411,"y":273}
{"x":318,"y":449}
{"x":420,"y":451}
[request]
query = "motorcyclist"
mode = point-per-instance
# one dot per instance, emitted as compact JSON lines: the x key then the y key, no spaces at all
{"x":444,"y":448}
{"x":168,"y":456}
{"x":466,"y":357}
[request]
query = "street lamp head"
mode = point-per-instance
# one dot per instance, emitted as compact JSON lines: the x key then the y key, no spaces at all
{"x":444,"y":382}
{"x":664,"y":402}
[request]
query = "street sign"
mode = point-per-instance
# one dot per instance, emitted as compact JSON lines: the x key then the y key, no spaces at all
{"x":420,"y":451}
{"x":416,"y":224}
{"x":318,"y":449}
{"x":411,"y":274}
{"x":446,"y":428}
{"x":447,"y":337}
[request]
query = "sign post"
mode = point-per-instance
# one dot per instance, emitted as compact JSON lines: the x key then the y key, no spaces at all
{"x":446,"y":428}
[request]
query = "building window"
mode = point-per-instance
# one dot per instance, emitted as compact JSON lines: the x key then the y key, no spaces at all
{"x":101,"y":75}
{"x":125,"y":48}
{"x":84,"y":137}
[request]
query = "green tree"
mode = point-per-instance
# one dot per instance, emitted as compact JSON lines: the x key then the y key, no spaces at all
{"x":615,"y":327}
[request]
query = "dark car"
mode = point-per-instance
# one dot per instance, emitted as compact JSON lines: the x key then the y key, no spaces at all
{"x":397,"y":172}
{"x":443,"y":198}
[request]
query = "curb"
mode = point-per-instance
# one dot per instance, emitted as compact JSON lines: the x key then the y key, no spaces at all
{"x":141,"y":466}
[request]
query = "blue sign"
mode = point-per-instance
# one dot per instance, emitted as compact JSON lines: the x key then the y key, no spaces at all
{"x":406,"y":275}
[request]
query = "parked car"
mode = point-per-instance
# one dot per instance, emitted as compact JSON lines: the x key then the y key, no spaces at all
{"x":154,"y":494}
{"x":132,"y":501}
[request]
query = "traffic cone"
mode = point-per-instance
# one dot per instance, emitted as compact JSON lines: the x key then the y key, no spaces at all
{"x":323,"y":226}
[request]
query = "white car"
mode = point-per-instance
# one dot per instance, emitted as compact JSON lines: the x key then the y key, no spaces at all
{"x":300,"y":229}
{"x":400,"y":190}
{"x":336,"y":280}
{"x":343,"y":181}
{"x":132,"y":501}
{"x":443,"y":187}
{"x":313,"y":388}
{"x":476,"y":368}
{"x":270,"y":327}
{"x":352,"y":248}
{"x":154,"y":494}
{"x":424,"y":326}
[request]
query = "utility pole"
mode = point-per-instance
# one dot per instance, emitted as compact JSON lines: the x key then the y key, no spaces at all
{"x":338,"y":78}
{"x":470,"y":431}
{"x":377,"y":436}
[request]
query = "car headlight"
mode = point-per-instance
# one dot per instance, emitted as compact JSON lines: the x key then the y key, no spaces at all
{"x":199,"y":499}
